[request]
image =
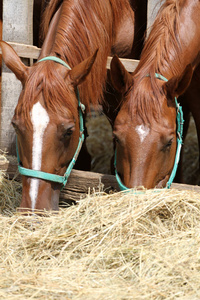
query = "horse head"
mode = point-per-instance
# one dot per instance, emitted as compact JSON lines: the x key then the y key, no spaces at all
{"x":145,"y":129}
{"x":46,"y":121}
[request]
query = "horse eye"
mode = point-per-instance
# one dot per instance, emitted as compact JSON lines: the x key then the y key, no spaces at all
{"x":115,"y":138}
{"x":168,"y":145}
{"x":15,"y":126}
{"x":68,"y":132}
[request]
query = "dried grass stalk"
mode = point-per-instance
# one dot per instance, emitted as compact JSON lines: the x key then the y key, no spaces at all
{"x":119,"y":246}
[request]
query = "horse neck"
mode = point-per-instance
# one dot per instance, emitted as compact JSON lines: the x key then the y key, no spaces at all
{"x":173,"y":42}
{"x":190,"y":32}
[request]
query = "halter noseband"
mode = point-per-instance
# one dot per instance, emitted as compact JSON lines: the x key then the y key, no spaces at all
{"x":48,"y":176}
{"x":180,"y":121}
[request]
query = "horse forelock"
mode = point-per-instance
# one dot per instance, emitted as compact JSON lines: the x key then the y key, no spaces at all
{"x":161,"y":45}
{"x":143,"y":100}
{"x":43,"y":78}
{"x":83,"y":27}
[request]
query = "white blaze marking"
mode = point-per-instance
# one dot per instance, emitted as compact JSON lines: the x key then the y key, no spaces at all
{"x":40,"y":120}
{"x":142,"y":132}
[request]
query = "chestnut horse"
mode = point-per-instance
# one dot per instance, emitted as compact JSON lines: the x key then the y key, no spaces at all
{"x":145,"y":129}
{"x":46,"y":118}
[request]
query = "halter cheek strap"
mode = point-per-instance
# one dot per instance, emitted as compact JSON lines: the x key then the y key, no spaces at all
{"x":54,"y":177}
{"x":180,"y":121}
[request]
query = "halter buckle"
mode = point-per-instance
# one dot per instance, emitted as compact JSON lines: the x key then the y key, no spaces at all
{"x":82,"y":106}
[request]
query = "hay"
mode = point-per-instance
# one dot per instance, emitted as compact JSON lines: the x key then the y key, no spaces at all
{"x":10,"y":190}
{"x":118,"y":246}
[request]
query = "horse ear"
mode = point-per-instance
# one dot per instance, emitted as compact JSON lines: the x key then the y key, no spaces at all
{"x":13,"y":62}
{"x":177,"y":85}
{"x":80,"y":72}
{"x":49,"y":39}
{"x":120,"y":77}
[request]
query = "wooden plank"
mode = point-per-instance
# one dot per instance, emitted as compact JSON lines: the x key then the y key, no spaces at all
{"x":129,"y":64}
{"x":28,"y":51}
{"x":80,"y":182}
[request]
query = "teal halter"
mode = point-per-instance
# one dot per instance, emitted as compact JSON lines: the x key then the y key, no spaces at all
{"x":180,"y":121}
{"x":48,"y":176}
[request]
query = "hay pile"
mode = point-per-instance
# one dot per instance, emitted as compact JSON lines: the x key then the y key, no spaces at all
{"x":119,"y":246}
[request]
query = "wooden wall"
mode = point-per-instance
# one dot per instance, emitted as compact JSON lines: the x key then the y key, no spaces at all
{"x":17,"y":27}
{"x":153,"y":7}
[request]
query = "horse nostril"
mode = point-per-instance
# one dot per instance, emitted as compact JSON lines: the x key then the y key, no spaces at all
{"x":162,"y":183}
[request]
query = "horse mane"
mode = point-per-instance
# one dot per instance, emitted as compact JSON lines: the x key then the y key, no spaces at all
{"x":83,"y":27}
{"x":161,"y":45}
